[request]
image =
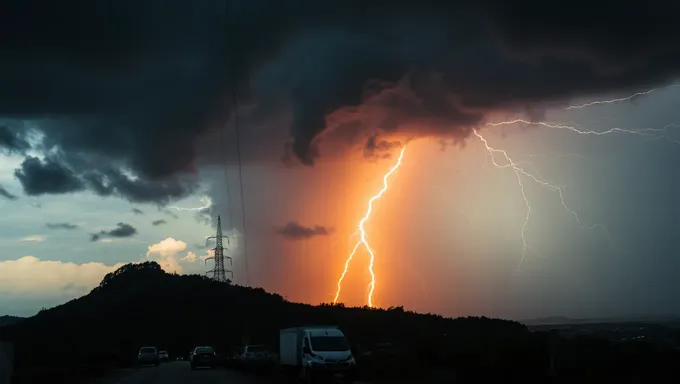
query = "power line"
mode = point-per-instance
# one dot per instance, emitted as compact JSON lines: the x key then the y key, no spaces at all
{"x":238,"y":137}
{"x":234,"y":54}
{"x":226,"y":176}
{"x":240,"y":177}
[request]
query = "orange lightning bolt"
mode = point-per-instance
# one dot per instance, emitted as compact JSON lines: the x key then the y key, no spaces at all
{"x":362,"y":239}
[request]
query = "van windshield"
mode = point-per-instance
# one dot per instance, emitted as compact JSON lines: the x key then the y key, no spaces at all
{"x":256,"y":349}
{"x":329,"y":343}
{"x":148,"y":350}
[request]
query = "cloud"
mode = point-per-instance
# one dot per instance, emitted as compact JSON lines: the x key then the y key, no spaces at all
{"x":170,"y":213}
{"x":13,"y":140}
{"x":211,"y":253}
{"x":39,"y":177}
{"x":33,"y":239}
{"x":190,"y":257}
{"x":46,"y":276}
{"x":61,"y":226}
{"x":379,"y":149}
{"x":295,"y":231}
{"x":158,"y":222}
{"x":336,"y":74}
{"x":137,"y":211}
{"x":28,"y":283}
{"x":166,"y":254}
{"x":6,"y":194}
{"x":122,"y":230}
{"x":167,"y":247}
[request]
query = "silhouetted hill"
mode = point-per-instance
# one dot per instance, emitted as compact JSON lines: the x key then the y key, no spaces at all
{"x":139,"y":304}
{"x":9,"y":320}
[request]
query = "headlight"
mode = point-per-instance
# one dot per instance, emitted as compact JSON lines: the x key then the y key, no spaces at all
{"x":316,"y":358}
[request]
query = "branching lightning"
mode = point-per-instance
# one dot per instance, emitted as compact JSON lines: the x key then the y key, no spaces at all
{"x":207,"y":203}
{"x":518,"y":172}
{"x":649,"y":132}
{"x":521,"y":172}
{"x":618,"y":100}
{"x":363,"y":238}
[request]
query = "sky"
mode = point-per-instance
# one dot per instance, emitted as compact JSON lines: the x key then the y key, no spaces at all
{"x":118,"y":149}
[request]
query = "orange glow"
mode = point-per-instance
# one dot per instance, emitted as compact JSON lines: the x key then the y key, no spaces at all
{"x":363,"y":241}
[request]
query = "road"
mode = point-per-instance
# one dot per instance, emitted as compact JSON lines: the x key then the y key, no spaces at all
{"x":179,"y":372}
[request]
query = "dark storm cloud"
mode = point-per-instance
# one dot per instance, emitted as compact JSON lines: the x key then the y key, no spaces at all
{"x":203,"y":218}
{"x":61,"y":226}
{"x":39,"y":177}
{"x":6,"y":194}
{"x":121,"y":230}
{"x":296,"y":231}
{"x":135,"y":85}
{"x":378,"y":148}
{"x":66,"y":174}
{"x":137,"y":211}
{"x":13,"y":139}
{"x":158,"y":222}
{"x":170,"y":213}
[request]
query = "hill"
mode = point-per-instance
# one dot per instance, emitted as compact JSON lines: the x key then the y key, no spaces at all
{"x":9,"y":320}
{"x":139,"y":304}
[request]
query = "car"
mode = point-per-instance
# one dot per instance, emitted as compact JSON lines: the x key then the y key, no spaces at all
{"x":163,"y":355}
{"x":148,"y":356}
{"x":203,"y":356}
{"x":255,"y":357}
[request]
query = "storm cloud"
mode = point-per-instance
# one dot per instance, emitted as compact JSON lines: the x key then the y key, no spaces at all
{"x":296,"y":231}
{"x":12,"y":140}
{"x":61,"y":226}
{"x":122,"y":230}
{"x":136,"y":88}
{"x":6,"y":194}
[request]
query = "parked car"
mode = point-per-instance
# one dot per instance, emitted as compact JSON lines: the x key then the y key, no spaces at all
{"x":163,"y":355}
{"x":148,"y":356}
{"x":204,"y":356}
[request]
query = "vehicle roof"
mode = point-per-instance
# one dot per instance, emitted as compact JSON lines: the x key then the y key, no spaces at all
{"x":324,"y":332}
{"x":148,"y":347}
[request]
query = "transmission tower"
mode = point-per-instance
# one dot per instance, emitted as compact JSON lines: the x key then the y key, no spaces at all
{"x":219,"y":272}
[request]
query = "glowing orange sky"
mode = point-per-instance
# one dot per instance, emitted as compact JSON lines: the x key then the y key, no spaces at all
{"x":435,"y":232}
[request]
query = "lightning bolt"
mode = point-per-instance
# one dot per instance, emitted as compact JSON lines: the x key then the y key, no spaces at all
{"x":639,"y":132}
{"x":206,"y":200}
{"x":618,"y":100}
{"x":521,"y":173}
{"x":363,"y":238}
{"x":518,"y":172}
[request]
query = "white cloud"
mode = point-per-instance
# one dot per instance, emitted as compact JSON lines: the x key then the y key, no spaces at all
{"x":33,"y":239}
{"x":166,"y":248}
{"x":166,"y":254}
{"x":32,"y":276}
{"x":190,"y":257}
{"x":211,"y":253}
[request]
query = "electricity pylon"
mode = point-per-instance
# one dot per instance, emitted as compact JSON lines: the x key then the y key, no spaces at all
{"x":219,"y":272}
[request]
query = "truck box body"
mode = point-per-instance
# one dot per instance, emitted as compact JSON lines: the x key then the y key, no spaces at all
{"x":290,"y":346}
